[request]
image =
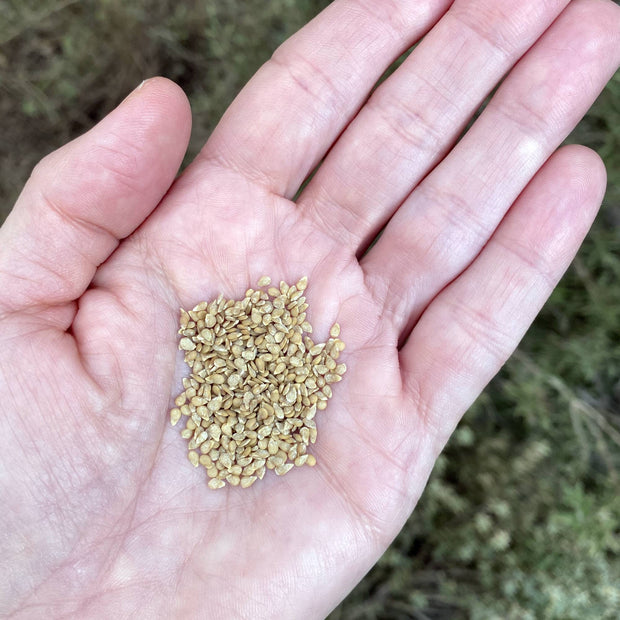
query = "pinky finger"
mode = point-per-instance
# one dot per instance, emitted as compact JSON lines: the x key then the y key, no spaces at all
{"x":472,"y":327}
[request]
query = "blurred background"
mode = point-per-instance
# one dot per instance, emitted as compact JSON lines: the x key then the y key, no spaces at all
{"x":521,"y":518}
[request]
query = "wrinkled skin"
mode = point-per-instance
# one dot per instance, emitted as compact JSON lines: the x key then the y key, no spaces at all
{"x":103,"y":516}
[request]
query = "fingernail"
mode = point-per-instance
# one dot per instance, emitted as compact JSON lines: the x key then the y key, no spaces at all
{"x":135,"y":90}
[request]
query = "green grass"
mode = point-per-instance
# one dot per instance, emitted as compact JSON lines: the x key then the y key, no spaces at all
{"x":521,"y":516}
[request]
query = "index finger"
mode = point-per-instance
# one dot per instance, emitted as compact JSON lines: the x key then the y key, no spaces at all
{"x":289,"y":114}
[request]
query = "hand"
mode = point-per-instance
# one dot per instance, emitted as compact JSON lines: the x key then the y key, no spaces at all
{"x":103,"y":515}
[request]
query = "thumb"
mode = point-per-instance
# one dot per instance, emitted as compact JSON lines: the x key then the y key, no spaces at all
{"x":83,"y":198}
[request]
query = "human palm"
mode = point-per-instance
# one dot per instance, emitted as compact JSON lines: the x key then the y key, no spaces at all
{"x":105,"y":513}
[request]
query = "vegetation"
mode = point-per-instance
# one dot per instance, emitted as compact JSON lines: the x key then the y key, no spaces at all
{"x":521,"y":518}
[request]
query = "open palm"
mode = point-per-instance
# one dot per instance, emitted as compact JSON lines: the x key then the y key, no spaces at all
{"x":103,"y":514}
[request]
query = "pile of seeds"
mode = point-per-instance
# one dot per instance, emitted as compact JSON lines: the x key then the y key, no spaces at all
{"x":257,"y":380}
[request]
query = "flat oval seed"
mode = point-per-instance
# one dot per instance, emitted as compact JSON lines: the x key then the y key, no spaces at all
{"x":186,"y":344}
{"x":214,"y":404}
{"x":272,"y":446}
{"x":248,"y":481}
{"x":316,"y":349}
{"x":284,"y":469}
{"x":233,"y":480}
{"x":175,"y":416}
{"x":301,"y":460}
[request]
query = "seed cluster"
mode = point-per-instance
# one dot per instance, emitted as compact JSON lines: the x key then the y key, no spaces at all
{"x":257,"y":380}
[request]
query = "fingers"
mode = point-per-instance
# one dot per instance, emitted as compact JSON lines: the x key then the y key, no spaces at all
{"x":416,"y":115}
{"x":451,"y":214}
{"x":289,"y":114}
{"x":84,"y":197}
{"x":470,"y":329}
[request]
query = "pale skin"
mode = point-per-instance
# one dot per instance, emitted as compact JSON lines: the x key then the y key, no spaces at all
{"x":103,"y":516}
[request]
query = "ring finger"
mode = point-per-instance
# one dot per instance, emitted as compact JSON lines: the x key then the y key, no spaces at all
{"x":450,"y":216}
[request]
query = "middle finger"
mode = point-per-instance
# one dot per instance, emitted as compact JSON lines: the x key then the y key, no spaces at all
{"x":415,"y":116}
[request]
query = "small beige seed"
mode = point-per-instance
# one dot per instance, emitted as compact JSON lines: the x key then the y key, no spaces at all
{"x":201,"y":438}
{"x":305,"y":435}
{"x":175,"y":416}
{"x":214,"y":404}
{"x":225,"y":460}
{"x":193,"y":458}
{"x":272,"y":446}
{"x":334,"y":332}
{"x":184,"y":320}
{"x":316,"y":349}
{"x":332,"y":378}
{"x":215,"y":431}
{"x":207,"y":446}
{"x":186,"y":344}
{"x":301,"y":460}
{"x":248,"y":481}
{"x":275,"y":461}
{"x":264,"y":281}
{"x":281,"y":470}
{"x":216,"y":483}
{"x":311,"y":460}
